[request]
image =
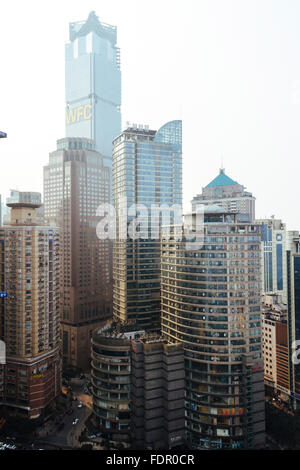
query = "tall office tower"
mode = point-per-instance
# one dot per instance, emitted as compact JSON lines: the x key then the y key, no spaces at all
{"x":227,"y":193}
{"x":293,"y":304}
{"x":76,"y":182}
{"x":29,"y":319}
{"x":274,"y":280}
{"x":147,"y":170}
{"x":93,"y":84}
{"x":211,"y":302}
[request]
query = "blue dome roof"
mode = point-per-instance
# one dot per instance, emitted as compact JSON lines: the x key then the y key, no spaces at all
{"x":221,"y":180}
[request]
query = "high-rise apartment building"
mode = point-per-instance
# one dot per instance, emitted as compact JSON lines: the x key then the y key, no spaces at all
{"x":147,"y":173}
{"x":29,"y":314}
{"x":275,"y":345}
{"x":76,"y":182}
{"x":93,"y":84}
{"x":211,"y":303}
{"x":228,"y":194}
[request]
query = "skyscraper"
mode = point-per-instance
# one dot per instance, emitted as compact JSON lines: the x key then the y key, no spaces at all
{"x":93,"y":84}
{"x":274,"y":279}
{"x":293,"y":317}
{"x":147,"y":171}
{"x":76,"y":182}
{"x":210,"y":303}
{"x":227,"y":193}
{"x":29,"y":315}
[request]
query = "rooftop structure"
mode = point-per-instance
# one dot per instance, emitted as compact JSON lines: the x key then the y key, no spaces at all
{"x":229,"y":194}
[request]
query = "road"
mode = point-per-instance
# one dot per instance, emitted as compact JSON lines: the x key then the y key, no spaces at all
{"x":67,"y":436}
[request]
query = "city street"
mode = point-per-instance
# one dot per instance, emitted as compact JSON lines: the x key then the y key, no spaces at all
{"x":65,"y":433}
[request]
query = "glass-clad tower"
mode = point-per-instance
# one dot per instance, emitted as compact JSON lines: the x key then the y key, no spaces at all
{"x":293,"y":303}
{"x":147,"y":171}
{"x":93,"y":84}
{"x":273,"y":244}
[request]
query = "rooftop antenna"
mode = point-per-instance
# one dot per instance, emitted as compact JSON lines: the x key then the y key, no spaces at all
{"x":222,"y":169}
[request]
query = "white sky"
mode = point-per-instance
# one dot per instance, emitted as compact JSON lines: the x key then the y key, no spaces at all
{"x":230,"y":69}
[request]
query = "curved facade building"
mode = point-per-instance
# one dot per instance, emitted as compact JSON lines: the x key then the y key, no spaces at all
{"x":111,"y":382}
{"x":210,"y":299}
{"x":138,"y":387}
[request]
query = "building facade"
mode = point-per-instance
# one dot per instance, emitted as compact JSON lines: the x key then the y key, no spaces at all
{"x":147,"y":173}
{"x":138,"y":387}
{"x":228,"y":194}
{"x":93,"y":84}
{"x":24,"y":196}
{"x":281,"y":279}
{"x":111,"y":378}
{"x":210,"y":302}
{"x":293,"y":305}
{"x":29,"y":319}
{"x":274,"y":279}
{"x":157,"y":394}
{"x":275,"y":345}
{"x":76,"y":182}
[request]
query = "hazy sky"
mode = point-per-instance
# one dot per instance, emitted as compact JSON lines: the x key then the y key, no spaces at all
{"x":229,"y":69}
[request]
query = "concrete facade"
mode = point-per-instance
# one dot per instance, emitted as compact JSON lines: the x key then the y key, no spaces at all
{"x":29,"y":315}
{"x":157,"y":394}
{"x":76,"y":182}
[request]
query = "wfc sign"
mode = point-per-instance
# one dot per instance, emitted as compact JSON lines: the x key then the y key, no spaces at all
{"x":81,"y":113}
